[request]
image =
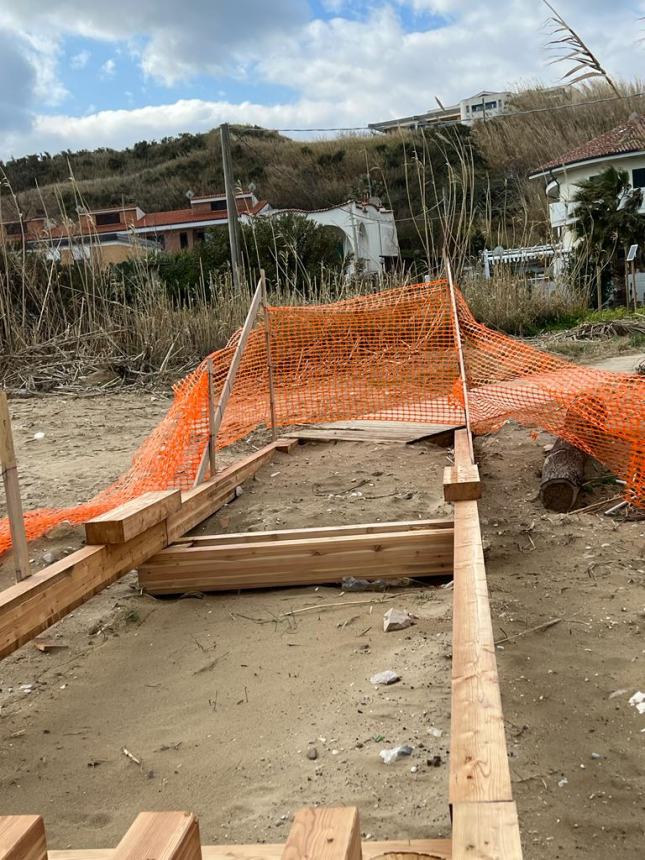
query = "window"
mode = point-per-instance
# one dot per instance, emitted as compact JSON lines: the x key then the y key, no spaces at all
{"x":200,"y":236}
{"x":218,"y":205}
{"x":491,"y":105}
{"x":102,"y":218}
{"x":638,"y":177}
{"x":13,"y":229}
{"x":183,"y":240}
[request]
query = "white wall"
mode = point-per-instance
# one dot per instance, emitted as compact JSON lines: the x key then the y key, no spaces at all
{"x":369,"y":232}
{"x":562,"y":211}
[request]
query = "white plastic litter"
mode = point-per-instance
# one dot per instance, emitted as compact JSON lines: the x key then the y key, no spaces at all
{"x":396,"y":753}
{"x":638,"y":701}
{"x":39,"y":435}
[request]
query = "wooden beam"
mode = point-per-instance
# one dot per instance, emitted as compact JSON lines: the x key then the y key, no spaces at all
{"x":22,"y":837}
{"x":161,"y":836}
{"x":202,"y":501}
{"x":29,"y":607}
{"x":12,"y":492}
{"x":132,"y":518}
{"x":227,"y":387}
{"x":478,"y":758}
{"x":267,"y":343}
{"x":286,"y":444}
{"x":462,"y":447}
{"x":461,"y":483}
{"x":460,"y":357}
{"x":324,"y":833}
{"x":323,"y":531}
{"x":485,"y":831}
{"x":437,"y":849}
{"x":212,"y":438}
{"x":223,"y":567}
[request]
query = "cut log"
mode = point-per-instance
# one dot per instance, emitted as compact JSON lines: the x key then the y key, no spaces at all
{"x":562,"y":476}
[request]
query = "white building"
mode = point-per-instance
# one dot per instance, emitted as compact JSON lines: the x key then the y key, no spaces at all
{"x":368,"y":232}
{"x":483,"y":105}
{"x":623,"y":148}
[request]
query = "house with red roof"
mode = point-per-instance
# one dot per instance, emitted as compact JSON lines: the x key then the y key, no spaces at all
{"x":623,"y":148}
{"x":123,"y":232}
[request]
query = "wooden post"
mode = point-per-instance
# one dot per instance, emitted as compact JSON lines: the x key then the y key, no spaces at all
{"x":212,"y":436}
{"x":225,"y":393}
{"x":267,"y":336}
{"x":231,"y":206}
{"x":12,"y":492}
{"x":460,"y":353}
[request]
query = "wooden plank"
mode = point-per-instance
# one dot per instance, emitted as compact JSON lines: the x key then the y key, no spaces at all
{"x":202,"y":501}
{"x":323,"y":531}
{"x":161,"y":836}
{"x":485,"y":831}
{"x":437,"y":849}
{"x":131,"y":518}
{"x":324,"y":833}
{"x":479,"y":768}
{"x":314,"y":435}
{"x":462,"y":447}
{"x":267,"y":344}
{"x":460,"y":355}
{"x":227,"y":387}
{"x":29,"y":607}
{"x":20,"y":554}
{"x":425,"y":552}
{"x":461,"y":483}
{"x":22,"y":837}
{"x":286,"y":444}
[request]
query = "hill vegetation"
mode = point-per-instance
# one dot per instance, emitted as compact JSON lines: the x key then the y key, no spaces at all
{"x":409,"y":171}
{"x":455,"y":187}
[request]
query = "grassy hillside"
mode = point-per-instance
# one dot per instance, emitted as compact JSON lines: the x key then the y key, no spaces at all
{"x":408,"y":171}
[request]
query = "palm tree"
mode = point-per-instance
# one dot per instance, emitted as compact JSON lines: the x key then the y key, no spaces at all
{"x":607,"y":217}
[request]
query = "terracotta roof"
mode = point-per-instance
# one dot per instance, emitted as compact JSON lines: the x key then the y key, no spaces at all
{"x":184,"y":216}
{"x":625,"y":138}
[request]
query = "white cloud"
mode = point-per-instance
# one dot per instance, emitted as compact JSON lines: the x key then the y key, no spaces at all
{"x":108,"y":68}
{"x":80,"y":60}
{"x":177,"y":40}
{"x":346,"y":71}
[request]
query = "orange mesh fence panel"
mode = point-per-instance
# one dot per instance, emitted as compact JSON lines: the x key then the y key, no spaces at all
{"x":391,"y":355}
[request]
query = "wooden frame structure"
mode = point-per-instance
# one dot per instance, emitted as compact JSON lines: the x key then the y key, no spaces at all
{"x":148,"y":533}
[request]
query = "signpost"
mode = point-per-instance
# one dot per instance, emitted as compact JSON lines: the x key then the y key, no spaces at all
{"x":631,"y":257}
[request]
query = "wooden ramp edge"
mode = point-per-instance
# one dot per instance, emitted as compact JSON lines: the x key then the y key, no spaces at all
{"x":317,"y":833}
{"x":485,"y":823}
{"x":34,"y":604}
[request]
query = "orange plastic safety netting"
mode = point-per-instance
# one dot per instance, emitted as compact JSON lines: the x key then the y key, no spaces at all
{"x":391,"y":355}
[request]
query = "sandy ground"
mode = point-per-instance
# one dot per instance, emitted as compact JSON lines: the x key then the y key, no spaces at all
{"x":221,"y":698}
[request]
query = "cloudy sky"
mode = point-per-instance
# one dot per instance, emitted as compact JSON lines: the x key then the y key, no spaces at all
{"x":88,"y":73}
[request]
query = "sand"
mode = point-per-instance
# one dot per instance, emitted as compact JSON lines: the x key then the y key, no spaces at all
{"x":220,"y":698}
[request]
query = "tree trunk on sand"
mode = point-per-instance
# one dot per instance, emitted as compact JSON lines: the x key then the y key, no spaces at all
{"x":562,"y":476}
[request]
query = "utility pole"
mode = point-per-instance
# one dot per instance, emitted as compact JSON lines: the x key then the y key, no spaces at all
{"x":231,"y":206}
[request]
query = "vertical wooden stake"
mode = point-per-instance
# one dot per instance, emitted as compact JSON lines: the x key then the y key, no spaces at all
{"x":267,"y":336}
{"x":212,"y":432}
{"x":12,"y":492}
{"x":225,"y":393}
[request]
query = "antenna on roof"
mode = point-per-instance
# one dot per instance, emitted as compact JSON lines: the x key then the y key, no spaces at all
{"x":439,"y":102}
{"x":190,"y":194}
